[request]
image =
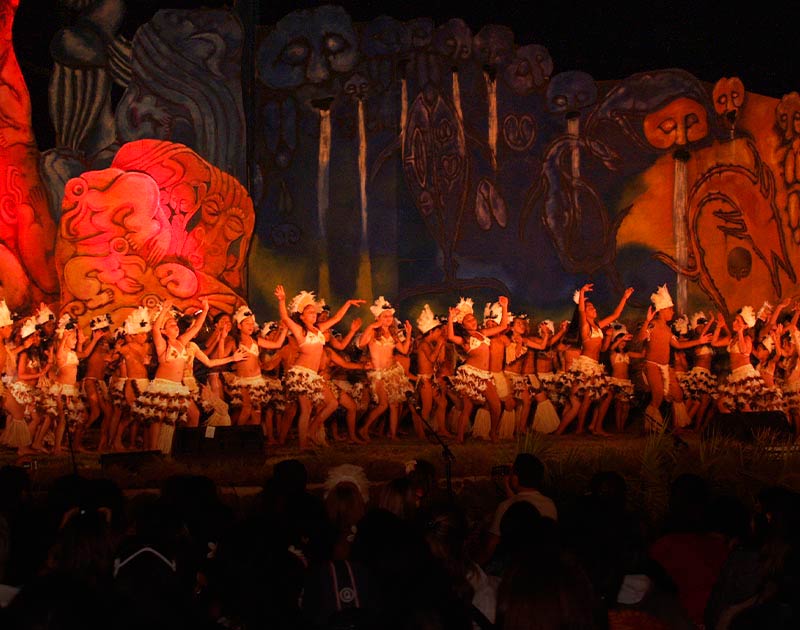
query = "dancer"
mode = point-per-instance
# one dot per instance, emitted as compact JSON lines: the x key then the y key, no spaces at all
{"x":24,"y":394}
{"x":389,"y":384}
{"x":430,"y":355}
{"x":660,"y":339}
{"x":302,"y":380}
{"x":589,"y":379}
{"x":700,"y":384}
{"x":97,"y":355}
{"x":473,"y":380}
{"x":65,"y":404}
{"x":621,"y":384}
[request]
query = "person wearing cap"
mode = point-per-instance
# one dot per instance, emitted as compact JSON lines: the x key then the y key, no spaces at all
{"x":302,"y":380}
{"x":389,"y":384}
{"x":246,"y":387}
{"x":743,"y":389}
{"x":590,"y":382}
{"x":473,"y":380}
{"x":430,"y":354}
{"x":659,"y":339}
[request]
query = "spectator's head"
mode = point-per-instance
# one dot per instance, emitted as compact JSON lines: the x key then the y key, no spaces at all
{"x":527,"y":472}
{"x":399,"y":497}
{"x":608,"y":487}
{"x":345,"y":507}
{"x":289,"y":476}
{"x":422,"y":475}
{"x":688,"y":503}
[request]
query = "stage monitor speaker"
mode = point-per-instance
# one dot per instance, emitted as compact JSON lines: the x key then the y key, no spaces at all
{"x":132,"y":460}
{"x":218,"y":441}
{"x":746,"y":426}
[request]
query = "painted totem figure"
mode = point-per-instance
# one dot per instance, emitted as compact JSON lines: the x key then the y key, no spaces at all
{"x":27,"y":231}
{"x":161,"y":223}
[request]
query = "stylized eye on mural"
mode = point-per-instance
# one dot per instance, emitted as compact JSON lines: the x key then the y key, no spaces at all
{"x":405,"y":157}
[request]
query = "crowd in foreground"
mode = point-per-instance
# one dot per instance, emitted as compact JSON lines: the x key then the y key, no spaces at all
{"x":397,"y":555}
{"x":455,"y":376}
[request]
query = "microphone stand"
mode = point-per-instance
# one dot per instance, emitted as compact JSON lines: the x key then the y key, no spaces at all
{"x":447,"y":455}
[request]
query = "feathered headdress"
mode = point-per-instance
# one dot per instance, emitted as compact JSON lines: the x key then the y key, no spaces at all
{"x":619,"y":329}
{"x":464,"y":308}
{"x":548,"y":323}
{"x":748,"y":316}
{"x":302,"y":300}
{"x":698,"y":319}
{"x":66,"y":322}
{"x":28,"y":327}
{"x":681,"y":325}
{"x":493,"y":312}
{"x":348,"y":473}
{"x":138,"y":321}
{"x":242,"y":313}
{"x":44,"y":315}
{"x":5,"y":314}
{"x":765,"y":310}
{"x":661,"y":299}
{"x":380,"y":306}
{"x":267,"y":328}
{"x":427,"y":321}
{"x":100,"y":322}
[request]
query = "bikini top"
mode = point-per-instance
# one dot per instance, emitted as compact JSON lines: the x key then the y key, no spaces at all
{"x":72,"y":358}
{"x":474,"y":342}
{"x":253,"y":349}
{"x":384,"y":341}
{"x":620,"y":357}
{"x":173,"y":354}
{"x":595,"y":333}
{"x":703,"y":350}
{"x":733,"y":347}
{"x":314,"y":338}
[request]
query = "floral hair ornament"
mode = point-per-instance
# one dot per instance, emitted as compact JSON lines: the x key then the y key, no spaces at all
{"x":267,"y":328}
{"x":100,"y":322}
{"x":619,"y":329}
{"x":661,"y":299}
{"x":242,"y":313}
{"x":5,"y":315}
{"x":302,"y":300}
{"x":380,"y":306}
{"x":698,"y":319}
{"x":765,"y":310}
{"x":748,"y":316}
{"x":463,"y":308}
{"x":28,"y":327}
{"x":427,"y":321}
{"x":548,"y":323}
{"x":139,"y":321}
{"x":44,"y":315}
{"x":348,"y":473}
{"x":681,"y":325}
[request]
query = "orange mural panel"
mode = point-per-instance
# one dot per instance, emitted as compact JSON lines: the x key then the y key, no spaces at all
{"x":162,"y":223}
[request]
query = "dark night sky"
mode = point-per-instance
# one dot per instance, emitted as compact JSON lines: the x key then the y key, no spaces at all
{"x":608,"y":40}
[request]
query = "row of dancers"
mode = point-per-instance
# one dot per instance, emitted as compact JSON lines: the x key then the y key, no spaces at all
{"x":454,"y":375}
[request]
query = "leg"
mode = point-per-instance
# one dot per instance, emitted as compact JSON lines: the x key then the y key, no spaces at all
{"x":495,"y":409}
{"x":346,"y":401}
{"x":376,"y":411}
{"x":304,"y":402}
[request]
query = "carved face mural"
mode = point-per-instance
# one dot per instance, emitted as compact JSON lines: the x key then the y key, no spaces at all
{"x":419,"y":32}
{"x":308,"y":48}
{"x":570,"y":92}
{"x":161,"y":223}
{"x":382,"y":41}
{"x":357,"y":87}
{"x":680,"y":122}
{"x":529,"y":69}
{"x":493,"y":45}
{"x":453,"y":40}
{"x":729,"y":97}
{"x":788,"y":116}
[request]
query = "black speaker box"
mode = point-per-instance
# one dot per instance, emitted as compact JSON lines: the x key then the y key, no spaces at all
{"x":222,"y":441}
{"x":747,"y":425}
{"x":132,"y":460}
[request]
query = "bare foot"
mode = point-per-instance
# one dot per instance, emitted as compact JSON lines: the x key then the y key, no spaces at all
{"x":354,"y":439}
{"x":364,"y":435}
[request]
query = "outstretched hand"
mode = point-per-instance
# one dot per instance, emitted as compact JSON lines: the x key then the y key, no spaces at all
{"x":280,"y":293}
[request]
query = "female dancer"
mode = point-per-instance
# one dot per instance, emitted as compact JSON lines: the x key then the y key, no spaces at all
{"x":165,"y":402}
{"x":473,"y":380}
{"x":621,"y":384}
{"x":387,"y":378}
{"x":302,"y":380}
{"x":700,"y":384}
{"x":430,"y":354}
{"x":591,"y":383}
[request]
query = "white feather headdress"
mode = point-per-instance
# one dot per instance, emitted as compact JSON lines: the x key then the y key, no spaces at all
{"x":65,"y":321}
{"x":242,"y":313}
{"x":100,"y":322}
{"x":696,"y":317}
{"x":28,"y":327}
{"x":548,"y":323}
{"x":44,"y":315}
{"x":380,"y":306}
{"x":348,"y":473}
{"x":492,"y":312}
{"x":302,"y":300}
{"x":464,"y":308}
{"x":765,"y":310}
{"x":748,"y":316}
{"x":427,"y":321}
{"x":5,"y":314}
{"x":661,"y":299}
{"x":681,"y":325}
{"x":138,"y":321}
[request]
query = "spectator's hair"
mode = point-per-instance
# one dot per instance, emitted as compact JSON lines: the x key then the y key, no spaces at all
{"x":529,"y":470}
{"x":399,"y":497}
